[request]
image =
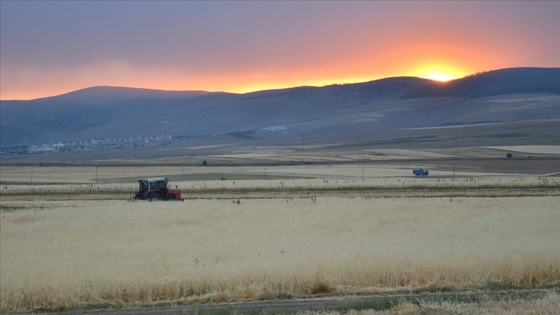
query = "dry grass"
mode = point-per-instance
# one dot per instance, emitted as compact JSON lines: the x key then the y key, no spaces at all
{"x":81,"y":174}
{"x":370,"y":174}
{"x":58,"y":255}
{"x":537,"y":149}
{"x":123,"y":190}
{"x":550,"y":304}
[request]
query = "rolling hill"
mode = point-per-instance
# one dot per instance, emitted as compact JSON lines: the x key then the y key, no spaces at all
{"x":380,"y":106}
{"x":106,"y":94}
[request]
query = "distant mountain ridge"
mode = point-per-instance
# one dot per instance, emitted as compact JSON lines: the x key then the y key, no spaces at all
{"x":496,"y":82}
{"x":379,"y":105}
{"x":489,"y":83}
{"x":113,"y":94}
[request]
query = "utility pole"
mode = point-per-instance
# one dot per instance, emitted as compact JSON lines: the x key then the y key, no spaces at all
{"x":456,"y":157}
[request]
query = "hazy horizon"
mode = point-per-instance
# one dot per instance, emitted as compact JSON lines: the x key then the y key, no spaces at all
{"x":50,"y":48}
{"x":247,"y":92}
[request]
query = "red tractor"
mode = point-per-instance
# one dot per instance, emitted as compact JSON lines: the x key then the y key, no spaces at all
{"x":155,"y":189}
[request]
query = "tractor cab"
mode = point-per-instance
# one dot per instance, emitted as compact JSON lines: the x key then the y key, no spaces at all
{"x":155,"y":189}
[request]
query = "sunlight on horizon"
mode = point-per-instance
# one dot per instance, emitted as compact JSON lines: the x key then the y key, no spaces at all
{"x":436,"y":72}
{"x":262,"y":86}
{"x":439,"y":72}
{"x":440,"y":77}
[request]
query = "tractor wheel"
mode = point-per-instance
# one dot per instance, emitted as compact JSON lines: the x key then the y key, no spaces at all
{"x":172,"y":197}
{"x":154,"y":197}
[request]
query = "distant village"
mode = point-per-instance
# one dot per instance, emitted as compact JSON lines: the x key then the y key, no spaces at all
{"x":89,"y":144}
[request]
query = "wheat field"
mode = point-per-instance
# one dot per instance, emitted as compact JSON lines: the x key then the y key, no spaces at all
{"x":67,"y":254}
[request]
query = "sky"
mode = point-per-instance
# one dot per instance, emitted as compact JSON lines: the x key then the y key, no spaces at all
{"x":54,"y":47}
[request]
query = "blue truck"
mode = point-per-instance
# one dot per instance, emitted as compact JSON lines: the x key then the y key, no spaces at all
{"x":421,"y":171}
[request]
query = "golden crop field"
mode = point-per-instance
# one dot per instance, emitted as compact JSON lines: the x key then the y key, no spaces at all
{"x":69,"y":239}
{"x":65,"y":254}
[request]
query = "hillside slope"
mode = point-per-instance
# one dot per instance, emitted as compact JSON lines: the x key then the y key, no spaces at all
{"x":497,"y":82}
{"x":388,"y":104}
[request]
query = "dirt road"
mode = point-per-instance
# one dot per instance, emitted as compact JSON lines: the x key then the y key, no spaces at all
{"x":329,"y":303}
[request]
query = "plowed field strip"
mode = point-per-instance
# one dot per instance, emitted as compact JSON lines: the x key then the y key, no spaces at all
{"x":286,"y":193}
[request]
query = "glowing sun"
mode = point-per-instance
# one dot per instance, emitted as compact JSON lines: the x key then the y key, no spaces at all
{"x":440,"y":77}
{"x":438,"y":72}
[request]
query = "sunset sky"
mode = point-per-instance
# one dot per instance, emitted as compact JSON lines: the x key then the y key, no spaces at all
{"x":53,"y":47}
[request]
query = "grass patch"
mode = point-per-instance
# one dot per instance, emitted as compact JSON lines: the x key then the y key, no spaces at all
{"x":15,"y":208}
{"x":214,"y":177}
